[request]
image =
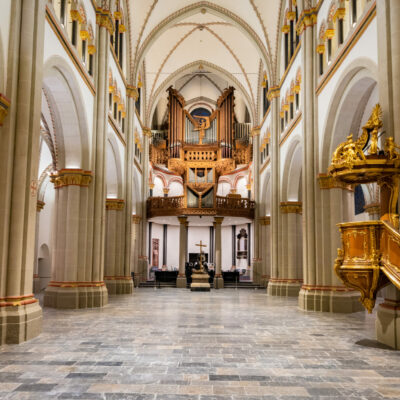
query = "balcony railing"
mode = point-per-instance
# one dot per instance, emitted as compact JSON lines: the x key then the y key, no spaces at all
{"x":223,"y":206}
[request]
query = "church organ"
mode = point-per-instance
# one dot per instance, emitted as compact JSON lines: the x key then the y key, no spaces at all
{"x":200,"y":149}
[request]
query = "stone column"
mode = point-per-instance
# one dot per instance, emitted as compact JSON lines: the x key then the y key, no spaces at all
{"x":255,"y":133}
{"x":115,"y":277}
{"x":36,"y":279}
{"x":135,"y":248}
{"x":273,"y":97}
{"x":73,"y":283}
{"x":326,"y":292}
{"x":388,"y":21}
{"x":143,"y":261}
{"x":264,"y":247}
{"x":290,"y":278}
{"x":20,"y":313}
{"x":218,"y":280}
{"x":181,"y":280}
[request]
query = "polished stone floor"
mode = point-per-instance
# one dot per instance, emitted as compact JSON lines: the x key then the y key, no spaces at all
{"x":226,"y":344}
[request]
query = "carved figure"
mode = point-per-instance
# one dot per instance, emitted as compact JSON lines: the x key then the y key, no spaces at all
{"x":390,"y":149}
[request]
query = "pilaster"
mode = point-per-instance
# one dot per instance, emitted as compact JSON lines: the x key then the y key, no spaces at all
{"x":181,"y":280}
{"x":218,"y":280}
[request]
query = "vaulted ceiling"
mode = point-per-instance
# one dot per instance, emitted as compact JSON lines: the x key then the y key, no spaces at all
{"x":235,"y":39}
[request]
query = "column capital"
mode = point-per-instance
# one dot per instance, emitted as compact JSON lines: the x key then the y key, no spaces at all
{"x":255,"y":131}
{"x":132,"y":91}
{"x":306,"y":19}
{"x":218,"y":220}
{"x":291,"y":207}
{"x":264,"y":220}
{"x":39,"y":205}
{"x":182,"y":220}
{"x":4,"y":106}
{"x":71,"y":177}
{"x":104,"y":19}
{"x":136,"y":219}
{"x":373,"y":208}
{"x":147,"y":132}
{"x":166,"y":190}
{"x":115,"y":204}
{"x":273,"y":92}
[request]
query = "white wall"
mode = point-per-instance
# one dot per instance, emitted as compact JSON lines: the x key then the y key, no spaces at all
{"x":173,"y":247}
{"x":226,"y":233}
{"x":197,"y":233}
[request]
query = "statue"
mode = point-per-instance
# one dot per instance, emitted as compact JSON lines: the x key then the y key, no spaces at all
{"x":200,"y":278}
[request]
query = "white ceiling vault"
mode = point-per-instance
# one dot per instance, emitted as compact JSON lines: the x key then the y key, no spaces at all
{"x":236,"y":40}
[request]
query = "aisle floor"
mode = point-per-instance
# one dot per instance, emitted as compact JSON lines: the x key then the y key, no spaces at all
{"x":177,"y":345}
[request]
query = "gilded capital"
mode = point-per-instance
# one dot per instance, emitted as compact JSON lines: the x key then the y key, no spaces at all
{"x":4,"y":106}
{"x":104,"y":19}
{"x":255,"y":131}
{"x":115,"y":204}
{"x":182,"y":220}
{"x":307,"y":18}
{"x":39,"y":205}
{"x":291,"y":207}
{"x":218,"y":220}
{"x":264,"y":220}
{"x":166,"y":190}
{"x":147,"y":132}
{"x":136,"y":218}
{"x":132,"y":91}
{"x":71,"y":177}
{"x":273,"y":92}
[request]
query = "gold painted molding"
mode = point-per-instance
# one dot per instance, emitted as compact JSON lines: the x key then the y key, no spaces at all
{"x":265,"y":220}
{"x":182,"y":220}
{"x":218,"y":220}
{"x":4,"y":106}
{"x":132,"y":91}
{"x":329,"y":182}
{"x":115,"y":204}
{"x":71,"y":177}
{"x":136,"y":218}
{"x":273,"y":92}
{"x":39,"y":205}
{"x":291,"y":207}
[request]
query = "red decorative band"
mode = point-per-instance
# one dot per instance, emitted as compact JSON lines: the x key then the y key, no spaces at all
{"x":119,"y":278}
{"x":76,"y":284}
{"x":17,"y":300}
{"x":327,"y":288}
{"x":390,"y":305}
{"x":277,"y":280}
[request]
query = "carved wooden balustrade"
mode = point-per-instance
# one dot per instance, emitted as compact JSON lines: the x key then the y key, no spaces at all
{"x":224,"y":206}
{"x":158,"y":155}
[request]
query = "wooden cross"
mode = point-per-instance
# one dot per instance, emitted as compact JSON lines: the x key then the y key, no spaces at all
{"x":201,"y":245}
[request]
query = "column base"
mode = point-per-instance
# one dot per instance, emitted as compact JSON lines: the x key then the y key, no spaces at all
{"x":75,"y":295}
{"x":19,"y":323}
{"x":387,"y":323}
{"x":142,"y":268}
{"x":181,"y":282}
{"x":264,"y":281}
{"x":218,"y":282}
{"x":339,"y":300}
{"x":119,"y":284}
{"x":284,"y":287}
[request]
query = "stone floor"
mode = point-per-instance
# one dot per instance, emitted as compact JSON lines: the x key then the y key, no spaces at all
{"x":226,"y":344}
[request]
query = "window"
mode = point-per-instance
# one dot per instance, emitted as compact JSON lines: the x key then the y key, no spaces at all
{"x":74,"y":36}
{"x":110,"y":101}
{"x":321,"y":63}
{"x":329,"y":50}
{"x":340,"y":31}
{"x":292,"y":40}
{"x":286,"y":50}
{"x":121,"y":46}
{"x":84,"y":51}
{"x":291,"y":110}
{"x":282,"y":125}
{"x":91,"y":64}
{"x":62,"y":12}
{"x":123,"y":125}
{"x":353,"y":11}
{"x":297,"y":100}
{"x":115,"y":111}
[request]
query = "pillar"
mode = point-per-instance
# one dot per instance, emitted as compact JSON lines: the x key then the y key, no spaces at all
{"x":265,"y":250}
{"x":181,"y":280}
{"x":218,"y":280}
{"x":36,"y":279}
{"x":273,"y":97}
{"x":142,"y":257}
{"x":290,"y":271}
{"x":20,"y":313}
{"x":74,"y":283}
{"x":135,"y":248}
{"x":116,"y":279}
